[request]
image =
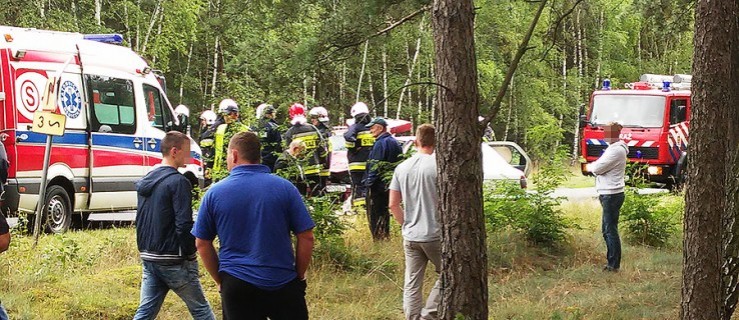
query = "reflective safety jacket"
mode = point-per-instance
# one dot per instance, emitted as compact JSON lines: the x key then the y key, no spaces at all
{"x":313,"y":141}
{"x":271,"y":140}
{"x":326,"y":159}
{"x":359,"y":142}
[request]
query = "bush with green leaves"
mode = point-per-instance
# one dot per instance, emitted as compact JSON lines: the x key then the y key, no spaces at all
{"x":649,"y":219}
{"x":329,"y":225}
{"x":535,"y":214}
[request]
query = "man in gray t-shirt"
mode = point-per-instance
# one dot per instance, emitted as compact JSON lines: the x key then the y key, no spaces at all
{"x":414,"y":184}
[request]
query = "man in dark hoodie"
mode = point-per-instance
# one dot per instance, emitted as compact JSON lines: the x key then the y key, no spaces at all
{"x":163,"y":225}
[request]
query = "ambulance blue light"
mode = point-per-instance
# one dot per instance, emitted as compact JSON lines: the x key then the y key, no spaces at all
{"x":606,"y":84}
{"x":665,"y":86}
{"x":112,"y":38}
{"x":639,"y":154}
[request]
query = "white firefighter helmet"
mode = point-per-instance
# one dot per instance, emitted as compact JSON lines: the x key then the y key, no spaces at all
{"x":227,"y":106}
{"x":182,"y":110}
{"x":319,"y":112}
{"x":263,"y":109}
{"x":359,"y":107}
{"x":209,"y":117}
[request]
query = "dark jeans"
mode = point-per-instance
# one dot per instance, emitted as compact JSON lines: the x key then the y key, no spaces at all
{"x":611,"y":204}
{"x":378,"y":213}
{"x":244,"y":301}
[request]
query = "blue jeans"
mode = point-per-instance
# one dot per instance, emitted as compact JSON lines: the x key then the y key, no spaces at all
{"x":3,"y":314}
{"x":182,"y":278}
{"x":611,"y":204}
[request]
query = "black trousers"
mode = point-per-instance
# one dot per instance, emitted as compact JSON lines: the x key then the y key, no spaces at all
{"x":358,"y":190}
{"x":378,"y":213}
{"x":244,"y":301}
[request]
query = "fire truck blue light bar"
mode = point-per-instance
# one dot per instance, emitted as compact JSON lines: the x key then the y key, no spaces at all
{"x":113,"y":38}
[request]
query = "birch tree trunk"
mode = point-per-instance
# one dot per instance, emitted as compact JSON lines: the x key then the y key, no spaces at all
{"x":215,"y":67}
{"x":384,"y":81}
{"x":361,"y":73}
{"x":413,"y":65}
{"x":98,"y":8}
{"x":187,"y":70}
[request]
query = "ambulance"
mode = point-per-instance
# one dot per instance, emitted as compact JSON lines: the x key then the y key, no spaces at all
{"x":116,"y":115}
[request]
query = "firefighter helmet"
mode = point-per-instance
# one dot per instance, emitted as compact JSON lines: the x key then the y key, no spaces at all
{"x":228,"y":106}
{"x":320,"y":113}
{"x":297,"y":109}
{"x":182,"y":110}
{"x":209,"y":117}
{"x":264,"y":109}
{"x":359,"y":108}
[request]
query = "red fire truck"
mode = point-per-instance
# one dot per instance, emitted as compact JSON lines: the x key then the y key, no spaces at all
{"x":655,"y":114}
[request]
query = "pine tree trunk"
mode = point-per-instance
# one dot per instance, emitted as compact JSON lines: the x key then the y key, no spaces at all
{"x":464,"y":249}
{"x":714,"y":103}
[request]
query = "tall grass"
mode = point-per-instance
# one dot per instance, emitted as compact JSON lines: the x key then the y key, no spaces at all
{"x":96,"y":275}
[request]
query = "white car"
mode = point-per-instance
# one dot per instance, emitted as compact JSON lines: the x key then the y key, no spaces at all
{"x":498,"y":159}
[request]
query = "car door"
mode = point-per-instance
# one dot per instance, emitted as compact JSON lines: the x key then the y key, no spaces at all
{"x":117,"y":143}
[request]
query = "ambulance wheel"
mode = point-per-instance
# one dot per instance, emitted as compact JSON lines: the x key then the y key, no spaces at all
{"x":58,"y":210}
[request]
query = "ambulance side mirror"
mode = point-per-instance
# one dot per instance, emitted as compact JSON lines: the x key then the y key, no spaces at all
{"x":182,"y":126}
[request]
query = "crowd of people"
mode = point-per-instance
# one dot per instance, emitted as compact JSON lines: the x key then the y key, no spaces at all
{"x":258,"y":269}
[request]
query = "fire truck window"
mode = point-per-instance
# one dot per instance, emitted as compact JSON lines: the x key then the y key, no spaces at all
{"x":159,"y":114}
{"x":112,"y":104}
{"x":678,"y":111}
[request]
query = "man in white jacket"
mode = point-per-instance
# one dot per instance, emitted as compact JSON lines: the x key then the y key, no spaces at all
{"x":609,"y":181}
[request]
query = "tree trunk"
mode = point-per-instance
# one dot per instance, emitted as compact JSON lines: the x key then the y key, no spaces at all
{"x":464,"y":249}
{"x":98,"y":8}
{"x":410,"y":70}
{"x":361,"y":72}
{"x":187,"y":70}
{"x":714,"y":101}
{"x":384,"y":81}
{"x":153,"y":20}
{"x":371,"y":90}
{"x":215,"y":67}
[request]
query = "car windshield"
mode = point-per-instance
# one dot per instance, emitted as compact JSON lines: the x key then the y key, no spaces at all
{"x":628,"y":110}
{"x":337,"y":142}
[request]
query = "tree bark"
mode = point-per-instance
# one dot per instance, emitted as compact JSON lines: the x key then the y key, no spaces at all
{"x":215,"y":67}
{"x":384,"y":81}
{"x":714,"y":95}
{"x":464,"y":254}
{"x":410,"y":69}
{"x":98,"y":8}
{"x":361,"y":72}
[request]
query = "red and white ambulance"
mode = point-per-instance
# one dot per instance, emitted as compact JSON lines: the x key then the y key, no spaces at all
{"x":117,"y":114}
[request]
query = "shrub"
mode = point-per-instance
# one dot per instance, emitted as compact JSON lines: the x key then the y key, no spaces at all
{"x":329,"y":226}
{"x":535,"y":214}
{"x":651,"y":219}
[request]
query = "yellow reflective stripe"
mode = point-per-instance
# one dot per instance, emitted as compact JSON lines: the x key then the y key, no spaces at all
{"x":349,"y":144}
{"x":366,"y":139}
{"x":310,"y":141}
{"x":325,"y":173}
{"x":358,"y":166}
{"x":359,"y":202}
{"x":312,"y":171}
{"x":206,"y":143}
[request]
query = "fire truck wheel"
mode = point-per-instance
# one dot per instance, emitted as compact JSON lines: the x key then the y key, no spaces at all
{"x":58,"y":213}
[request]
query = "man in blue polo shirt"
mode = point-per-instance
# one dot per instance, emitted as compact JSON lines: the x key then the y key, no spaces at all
{"x":253,"y":212}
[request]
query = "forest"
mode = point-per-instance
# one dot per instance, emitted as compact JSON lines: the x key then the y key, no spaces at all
{"x":332,"y":53}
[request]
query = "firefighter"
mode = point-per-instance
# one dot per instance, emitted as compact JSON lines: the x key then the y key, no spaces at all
{"x":269,"y":134}
{"x":359,"y":142}
{"x":291,"y":160}
{"x":214,"y":139}
{"x":313,"y":140}
{"x":207,"y":119}
{"x":319,"y":118}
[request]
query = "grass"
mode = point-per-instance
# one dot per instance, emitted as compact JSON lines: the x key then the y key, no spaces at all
{"x":96,"y":274}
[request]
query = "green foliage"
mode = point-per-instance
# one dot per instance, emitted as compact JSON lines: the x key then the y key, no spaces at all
{"x":323,"y":209}
{"x":651,"y":219}
{"x":535,"y":214}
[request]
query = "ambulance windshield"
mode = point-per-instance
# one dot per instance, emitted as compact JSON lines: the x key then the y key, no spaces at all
{"x":641,"y":111}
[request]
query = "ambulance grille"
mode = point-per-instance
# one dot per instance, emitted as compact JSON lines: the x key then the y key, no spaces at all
{"x":646,"y":153}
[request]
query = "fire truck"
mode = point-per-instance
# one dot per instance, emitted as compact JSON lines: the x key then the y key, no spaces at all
{"x":655,"y":114}
{"x":116,"y":115}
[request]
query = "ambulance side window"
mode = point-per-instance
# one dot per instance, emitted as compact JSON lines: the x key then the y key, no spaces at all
{"x":113,"y":107}
{"x":678,"y":111}
{"x":159,"y":113}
